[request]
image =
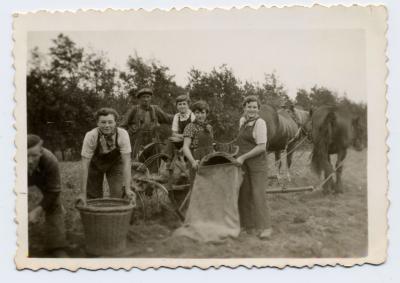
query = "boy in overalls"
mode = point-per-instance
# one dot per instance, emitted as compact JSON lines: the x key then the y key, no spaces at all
{"x":106,"y":151}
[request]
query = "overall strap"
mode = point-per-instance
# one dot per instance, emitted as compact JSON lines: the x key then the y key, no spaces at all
{"x":249,"y":121}
{"x":96,"y":151}
{"x":116,"y":139}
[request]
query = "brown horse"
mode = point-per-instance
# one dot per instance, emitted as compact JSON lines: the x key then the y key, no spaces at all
{"x":334,"y":130}
{"x":283,"y":132}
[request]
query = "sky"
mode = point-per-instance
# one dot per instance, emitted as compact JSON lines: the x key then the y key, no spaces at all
{"x":333,"y":58}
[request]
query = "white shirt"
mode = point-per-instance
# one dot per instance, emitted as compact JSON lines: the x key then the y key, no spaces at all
{"x":181,"y":117}
{"x":90,"y":142}
{"x":259,"y":130}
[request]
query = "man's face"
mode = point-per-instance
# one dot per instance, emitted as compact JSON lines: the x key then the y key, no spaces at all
{"x":106,"y":124}
{"x":34,"y":154}
{"x":201,"y":115}
{"x":145,"y":99}
{"x":182,"y":107}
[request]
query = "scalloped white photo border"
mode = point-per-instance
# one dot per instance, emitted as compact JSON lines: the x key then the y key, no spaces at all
{"x":372,"y":19}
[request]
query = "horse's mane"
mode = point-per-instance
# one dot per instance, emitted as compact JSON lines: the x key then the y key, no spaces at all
{"x":322,"y":134}
{"x":287,"y":124}
{"x":302,"y":115}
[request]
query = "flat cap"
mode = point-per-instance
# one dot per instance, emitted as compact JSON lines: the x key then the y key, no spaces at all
{"x":33,"y":140}
{"x":145,"y":90}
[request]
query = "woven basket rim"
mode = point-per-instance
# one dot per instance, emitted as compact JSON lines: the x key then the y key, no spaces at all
{"x":124,"y":206}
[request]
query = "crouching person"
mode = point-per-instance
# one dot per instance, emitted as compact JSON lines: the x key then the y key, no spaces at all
{"x":44,"y":173}
{"x":106,"y":151}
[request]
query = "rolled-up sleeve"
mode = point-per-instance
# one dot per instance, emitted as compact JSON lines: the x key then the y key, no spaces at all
{"x":260,"y":131}
{"x":189,"y":131}
{"x":89,"y":144}
{"x":163,"y":118}
{"x":124,"y":141}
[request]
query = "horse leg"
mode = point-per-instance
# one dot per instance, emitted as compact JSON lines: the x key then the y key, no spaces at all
{"x":339,"y":169}
{"x":289,"y":163}
{"x":328,"y":170}
{"x":278,"y":165}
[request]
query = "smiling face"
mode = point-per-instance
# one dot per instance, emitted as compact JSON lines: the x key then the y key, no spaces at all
{"x":182,"y":107}
{"x":34,"y":154}
{"x":145,"y":99}
{"x":201,"y":115}
{"x":251,"y":109}
{"x":106,"y":123}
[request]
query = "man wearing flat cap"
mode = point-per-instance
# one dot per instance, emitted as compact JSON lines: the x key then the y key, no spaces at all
{"x":142,"y":121}
{"x":44,"y":173}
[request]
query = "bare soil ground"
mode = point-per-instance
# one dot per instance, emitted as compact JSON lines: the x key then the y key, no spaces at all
{"x":306,"y":224}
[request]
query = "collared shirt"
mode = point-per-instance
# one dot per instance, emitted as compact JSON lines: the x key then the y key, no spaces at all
{"x":182,"y":117}
{"x":47,"y":178}
{"x":90,"y":143}
{"x":259,"y":130}
{"x":192,"y":131}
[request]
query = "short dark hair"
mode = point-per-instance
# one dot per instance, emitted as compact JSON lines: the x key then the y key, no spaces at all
{"x":200,"y":106}
{"x":251,"y":98}
{"x":182,"y":98}
{"x":34,"y":140}
{"x":106,"y":111}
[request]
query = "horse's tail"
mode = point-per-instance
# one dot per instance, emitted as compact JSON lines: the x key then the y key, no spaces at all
{"x":322,"y":137}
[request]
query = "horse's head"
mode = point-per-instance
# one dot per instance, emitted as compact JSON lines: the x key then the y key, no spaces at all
{"x":358,"y":134}
{"x":307,"y":129}
{"x":305,"y":122}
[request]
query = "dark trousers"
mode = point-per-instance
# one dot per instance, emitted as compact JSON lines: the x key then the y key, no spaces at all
{"x":253,"y":208}
{"x":114,"y":177}
{"x":55,"y":227}
{"x":52,"y":234}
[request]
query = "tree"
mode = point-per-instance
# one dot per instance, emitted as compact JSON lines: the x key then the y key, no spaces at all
{"x":154,"y":75}
{"x":221,"y":89}
{"x":64,"y":93}
{"x":322,"y":96}
{"x":274,"y":91}
{"x":303,"y":99}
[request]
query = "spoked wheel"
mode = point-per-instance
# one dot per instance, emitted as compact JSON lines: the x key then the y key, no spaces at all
{"x":152,"y":156}
{"x":158,"y":164}
{"x":151,"y":197}
{"x":179,"y":196}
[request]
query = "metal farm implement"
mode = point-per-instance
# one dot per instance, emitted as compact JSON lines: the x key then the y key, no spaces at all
{"x":170,"y":183}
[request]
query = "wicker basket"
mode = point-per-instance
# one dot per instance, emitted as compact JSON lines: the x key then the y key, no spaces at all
{"x":106,"y":223}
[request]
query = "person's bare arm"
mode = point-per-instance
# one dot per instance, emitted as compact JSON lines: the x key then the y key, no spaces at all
{"x":259,"y":148}
{"x":126,"y":165}
{"x":85,"y":172}
{"x":176,"y":134}
{"x":186,"y":151}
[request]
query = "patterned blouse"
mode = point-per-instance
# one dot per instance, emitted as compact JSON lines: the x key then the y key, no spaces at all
{"x":192,"y":131}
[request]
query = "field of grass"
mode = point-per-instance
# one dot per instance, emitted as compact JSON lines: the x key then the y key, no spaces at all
{"x":305,"y":224}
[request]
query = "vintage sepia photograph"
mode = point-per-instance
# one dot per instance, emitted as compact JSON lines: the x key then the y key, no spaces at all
{"x":245,"y":141}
